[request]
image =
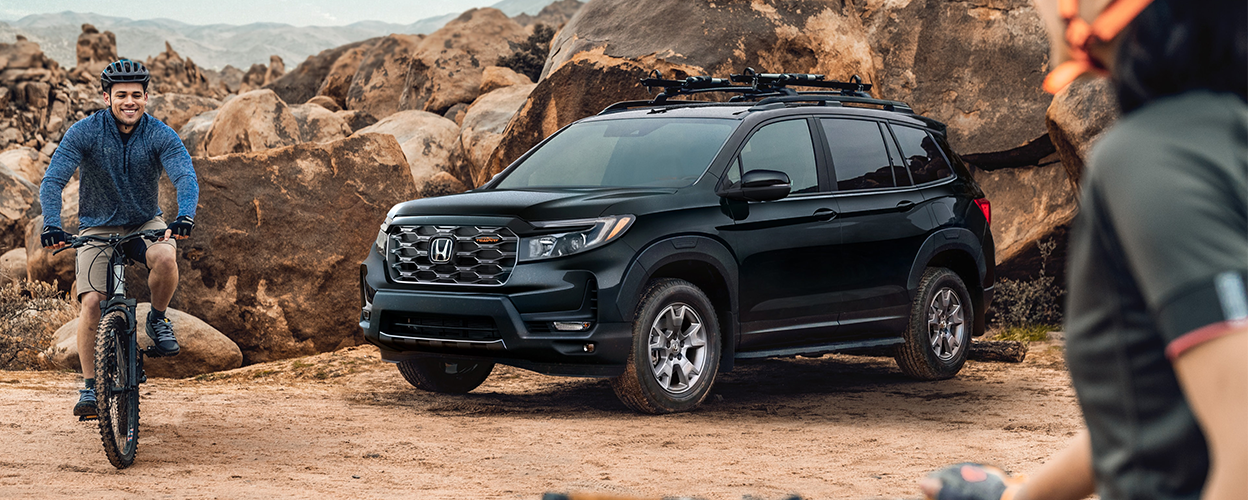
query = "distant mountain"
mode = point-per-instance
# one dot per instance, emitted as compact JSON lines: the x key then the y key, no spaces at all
{"x":217,"y":45}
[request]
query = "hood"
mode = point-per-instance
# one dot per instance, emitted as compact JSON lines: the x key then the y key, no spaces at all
{"x":530,"y":205}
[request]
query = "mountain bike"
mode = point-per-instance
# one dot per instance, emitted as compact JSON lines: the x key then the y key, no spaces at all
{"x":118,"y":359}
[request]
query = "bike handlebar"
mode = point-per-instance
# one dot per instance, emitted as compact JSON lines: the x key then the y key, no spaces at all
{"x":111,"y":240}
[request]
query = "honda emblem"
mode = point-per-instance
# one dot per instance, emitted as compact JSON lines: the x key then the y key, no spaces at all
{"x":441,"y":249}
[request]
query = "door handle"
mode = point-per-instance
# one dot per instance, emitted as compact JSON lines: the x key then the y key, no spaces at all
{"x":905,"y":205}
{"x":825,"y":214}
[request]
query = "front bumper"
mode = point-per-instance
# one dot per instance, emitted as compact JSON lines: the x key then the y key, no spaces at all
{"x":508,"y":324}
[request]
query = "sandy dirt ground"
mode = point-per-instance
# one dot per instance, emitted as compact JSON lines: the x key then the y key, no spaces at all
{"x":346,"y":425}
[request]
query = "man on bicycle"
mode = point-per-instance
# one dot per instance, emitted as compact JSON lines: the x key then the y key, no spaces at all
{"x":120,"y":153}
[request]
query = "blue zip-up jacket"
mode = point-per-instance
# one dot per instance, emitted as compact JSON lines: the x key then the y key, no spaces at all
{"x":118,"y":182}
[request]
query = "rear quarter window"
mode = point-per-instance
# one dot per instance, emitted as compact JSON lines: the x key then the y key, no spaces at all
{"x":921,"y":155}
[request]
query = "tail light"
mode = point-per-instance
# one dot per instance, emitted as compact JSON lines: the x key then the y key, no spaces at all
{"x":986,"y":208}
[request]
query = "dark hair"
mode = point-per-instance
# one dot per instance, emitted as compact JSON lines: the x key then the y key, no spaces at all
{"x":1175,"y":46}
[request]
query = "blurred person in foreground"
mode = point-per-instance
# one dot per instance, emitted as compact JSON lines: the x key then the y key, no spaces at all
{"x":1157,"y":312}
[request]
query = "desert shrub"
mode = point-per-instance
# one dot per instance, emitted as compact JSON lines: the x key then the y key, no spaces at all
{"x":530,"y":55}
{"x":1029,"y":305}
{"x":30,"y":314}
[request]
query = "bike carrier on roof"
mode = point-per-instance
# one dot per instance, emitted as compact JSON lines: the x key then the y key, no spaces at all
{"x":767,"y":88}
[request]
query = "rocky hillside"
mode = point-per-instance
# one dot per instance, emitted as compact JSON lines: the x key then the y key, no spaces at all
{"x":298,"y":165}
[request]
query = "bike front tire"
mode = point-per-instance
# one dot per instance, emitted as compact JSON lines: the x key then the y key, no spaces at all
{"x":118,"y":401}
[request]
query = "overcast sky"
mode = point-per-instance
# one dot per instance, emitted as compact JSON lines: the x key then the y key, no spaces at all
{"x":296,"y":12}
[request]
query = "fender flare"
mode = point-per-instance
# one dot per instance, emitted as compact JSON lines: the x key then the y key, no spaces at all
{"x":956,"y":239}
{"x":685,"y":248}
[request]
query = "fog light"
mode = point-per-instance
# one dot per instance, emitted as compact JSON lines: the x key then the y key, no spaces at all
{"x":589,"y":348}
{"x":571,"y":326}
{"x":364,"y":315}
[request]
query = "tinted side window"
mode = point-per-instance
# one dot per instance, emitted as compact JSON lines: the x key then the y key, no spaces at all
{"x":922,"y":156}
{"x":899,"y":169}
{"x":859,"y":154}
{"x":786,"y":147}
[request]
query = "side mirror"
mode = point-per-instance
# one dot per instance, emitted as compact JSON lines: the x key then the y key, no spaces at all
{"x":759,"y":185}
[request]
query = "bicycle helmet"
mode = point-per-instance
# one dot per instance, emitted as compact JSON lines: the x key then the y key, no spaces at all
{"x":124,"y":71}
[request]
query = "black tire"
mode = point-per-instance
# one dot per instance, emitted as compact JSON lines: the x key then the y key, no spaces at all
{"x":942,"y":318}
{"x":672,"y":317}
{"x":118,"y":405}
{"x":445,"y":375}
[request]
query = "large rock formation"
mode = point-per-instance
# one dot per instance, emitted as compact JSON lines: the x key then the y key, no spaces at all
{"x":483,"y":127}
{"x":19,"y":203}
{"x":1078,"y":116}
{"x":554,"y":15}
{"x":273,"y":259}
{"x":177,"y":109}
{"x":497,"y":77}
{"x":173,"y":74}
{"x":25,"y":162}
{"x":297,"y":86}
{"x":427,"y":140}
{"x":13,"y":266}
{"x":448,"y":64}
{"x":317,"y":124}
{"x":95,"y":50}
{"x":202,"y":349}
{"x":337,"y":81}
{"x":377,"y":84}
{"x":254,"y":121}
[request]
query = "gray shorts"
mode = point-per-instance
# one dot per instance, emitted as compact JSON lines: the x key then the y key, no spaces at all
{"x":92,"y":260}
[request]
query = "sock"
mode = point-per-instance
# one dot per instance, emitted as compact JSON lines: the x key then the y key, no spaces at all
{"x":89,"y":382}
{"x":156,"y":315}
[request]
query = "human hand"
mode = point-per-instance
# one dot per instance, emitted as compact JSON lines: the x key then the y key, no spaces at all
{"x":53,"y":238}
{"x":971,"y":481}
{"x":181,"y":228}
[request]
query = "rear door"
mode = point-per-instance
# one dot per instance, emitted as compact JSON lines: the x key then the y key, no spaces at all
{"x":883,"y":222}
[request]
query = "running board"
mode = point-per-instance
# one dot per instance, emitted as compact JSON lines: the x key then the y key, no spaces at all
{"x":820,"y":349}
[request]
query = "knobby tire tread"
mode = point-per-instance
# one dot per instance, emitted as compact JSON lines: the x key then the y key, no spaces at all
{"x":114,"y":326}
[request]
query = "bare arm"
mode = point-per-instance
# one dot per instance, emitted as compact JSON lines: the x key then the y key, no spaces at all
{"x":1066,"y":476}
{"x":1214,"y":376}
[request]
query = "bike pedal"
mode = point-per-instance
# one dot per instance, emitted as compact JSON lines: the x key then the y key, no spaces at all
{"x":142,"y":377}
{"x":88,"y":418}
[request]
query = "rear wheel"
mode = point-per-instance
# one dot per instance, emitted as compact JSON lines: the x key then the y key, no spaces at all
{"x":941,"y":321}
{"x":676,"y":349}
{"x":118,"y":403}
{"x":445,"y":375}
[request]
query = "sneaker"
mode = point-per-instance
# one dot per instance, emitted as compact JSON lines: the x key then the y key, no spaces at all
{"x":86,"y":404}
{"x":161,"y":333}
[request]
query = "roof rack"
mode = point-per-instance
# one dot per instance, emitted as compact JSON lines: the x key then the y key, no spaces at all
{"x":765,"y":87}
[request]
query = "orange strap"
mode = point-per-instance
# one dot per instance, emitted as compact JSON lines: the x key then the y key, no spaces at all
{"x":1079,"y":35}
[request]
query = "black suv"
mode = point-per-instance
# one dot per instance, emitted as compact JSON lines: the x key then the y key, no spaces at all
{"x":659,"y":241}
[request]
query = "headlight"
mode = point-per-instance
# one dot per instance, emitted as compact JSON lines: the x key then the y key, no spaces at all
{"x":596,"y":232}
{"x":385,"y":227}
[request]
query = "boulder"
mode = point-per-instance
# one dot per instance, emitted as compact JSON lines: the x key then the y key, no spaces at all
{"x":1079,"y":115}
{"x":273,"y":260}
{"x":325,"y":102}
{"x":554,"y":15}
{"x":337,"y":81}
{"x":19,"y":203}
{"x":177,"y":109}
{"x":95,"y":50}
{"x":41,"y":264}
{"x":427,"y":140}
{"x":300,"y":85}
{"x":356,"y":119}
{"x":483,"y":127}
{"x":13,"y":266}
{"x":195,"y":130}
{"x":24,"y":162}
{"x":277,"y":68}
{"x":317,"y":124}
{"x":23,"y":54}
{"x":442,"y":184}
{"x":377,"y":85}
{"x":497,"y":77}
{"x":254,"y":121}
{"x":228,"y":80}
{"x":173,"y":74}
{"x":253,"y":79}
{"x":447,"y":67}
{"x":1029,"y":206}
{"x":976,"y":67}
{"x":456,"y":113}
{"x":202,"y":349}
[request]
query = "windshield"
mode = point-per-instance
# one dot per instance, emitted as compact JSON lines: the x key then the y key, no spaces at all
{"x":634,"y":152}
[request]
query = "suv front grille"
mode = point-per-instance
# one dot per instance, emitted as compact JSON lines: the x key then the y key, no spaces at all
{"x":478,"y":255}
{"x":445,"y":327}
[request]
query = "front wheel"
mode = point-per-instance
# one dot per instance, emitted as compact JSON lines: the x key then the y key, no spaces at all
{"x":941,"y":321}
{"x":676,"y":349}
{"x":118,"y":403}
{"x":445,"y":375}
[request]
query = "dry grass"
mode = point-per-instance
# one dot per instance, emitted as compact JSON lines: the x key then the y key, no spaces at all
{"x":30,"y":314}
